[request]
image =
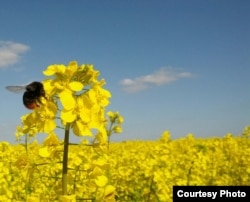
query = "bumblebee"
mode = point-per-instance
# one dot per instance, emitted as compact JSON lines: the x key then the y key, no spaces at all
{"x":32,"y":93}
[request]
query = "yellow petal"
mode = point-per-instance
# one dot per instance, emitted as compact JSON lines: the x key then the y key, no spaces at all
{"x":49,"y":126}
{"x":44,"y":152}
{"x":101,"y":181}
{"x":105,"y":93}
{"x":109,"y":191}
{"x":67,"y":99}
{"x":52,"y":69}
{"x":81,"y":129}
{"x":49,"y":71}
{"x":76,"y":86}
{"x":92,"y":95}
{"x":48,"y":87}
{"x":58,"y":84}
{"x":68,"y":116}
{"x":51,"y":140}
{"x":85,"y":114}
{"x":72,"y":67}
{"x":97,"y":171}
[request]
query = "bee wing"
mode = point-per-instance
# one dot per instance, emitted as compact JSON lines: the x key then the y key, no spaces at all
{"x":16,"y":89}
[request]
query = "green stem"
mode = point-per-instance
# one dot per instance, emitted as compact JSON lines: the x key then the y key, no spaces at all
{"x":65,"y":159}
{"x":109,"y":133}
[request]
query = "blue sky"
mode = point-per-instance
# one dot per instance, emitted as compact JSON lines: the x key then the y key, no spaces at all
{"x":181,"y":66}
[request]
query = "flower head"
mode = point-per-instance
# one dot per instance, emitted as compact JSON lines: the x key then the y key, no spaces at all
{"x":74,"y":95}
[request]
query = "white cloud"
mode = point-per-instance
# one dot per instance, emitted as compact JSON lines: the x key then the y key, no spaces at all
{"x":160,"y":77}
{"x":10,"y":52}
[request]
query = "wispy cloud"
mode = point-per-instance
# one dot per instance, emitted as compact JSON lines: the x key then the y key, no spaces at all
{"x":160,"y":77}
{"x":10,"y":53}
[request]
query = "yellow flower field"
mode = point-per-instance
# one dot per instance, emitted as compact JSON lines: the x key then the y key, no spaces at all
{"x":96,"y":170}
{"x":128,"y":171}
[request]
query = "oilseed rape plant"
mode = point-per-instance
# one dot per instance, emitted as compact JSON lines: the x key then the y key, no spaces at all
{"x":75,"y":101}
{"x":138,"y":171}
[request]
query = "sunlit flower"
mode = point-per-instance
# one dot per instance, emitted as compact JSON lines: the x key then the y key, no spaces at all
{"x":109,"y":193}
{"x":77,"y":91}
{"x":101,"y":180}
{"x":51,"y":140}
{"x":54,"y":69}
{"x":46,"y":115}
{"x":81,"y":128}
{"x":68,"y":198}
{"x":99,"y":95}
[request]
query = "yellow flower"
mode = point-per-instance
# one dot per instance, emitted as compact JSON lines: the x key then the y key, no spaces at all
{"x":101,"y":181}
{"x":97,"y":171}
{"x":99,"y":95}
{"x":81,"y":107}
{"x":28,"y":126}
{"x":22,"y":161}
{"x":68,"y":116}
{"x":67,"y":99}
{"x":120,"y":119}
{"x":54,"y":69}
{"x":45,"y":152}
{"x":81,"y":129}
{"x":117,"y":129}
{"x":115,"y":117}
{"x":101,"y":138}
{"x":51,"y":140}
{"x":76,"y":86}
{"x":67,"y":198}
{"x":71,"y":69}
{"x":48,"y":87}
{"x":111,"y":115}
{"x":109,"y":193}
{"x":45,"y":117}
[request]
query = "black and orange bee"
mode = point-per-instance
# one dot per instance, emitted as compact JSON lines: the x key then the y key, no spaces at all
{"x":32,"y":93}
